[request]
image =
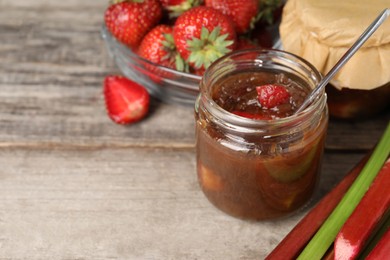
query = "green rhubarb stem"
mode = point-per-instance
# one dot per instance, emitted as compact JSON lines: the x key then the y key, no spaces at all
{"x":325,"y":236}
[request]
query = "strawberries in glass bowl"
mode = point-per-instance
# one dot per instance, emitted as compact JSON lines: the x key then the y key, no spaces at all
{"x":166,"y":45}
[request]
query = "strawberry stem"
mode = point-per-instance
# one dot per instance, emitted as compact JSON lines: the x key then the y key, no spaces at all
{"x":177,"y":10}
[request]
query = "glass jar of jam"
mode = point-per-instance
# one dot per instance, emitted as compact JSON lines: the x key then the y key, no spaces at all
{"x":264,"y":166}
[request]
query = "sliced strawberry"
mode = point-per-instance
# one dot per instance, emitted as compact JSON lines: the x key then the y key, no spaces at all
{"x":202,"y":35}
{"x":126,"y":101}
{"x":272,"y":95}
{"x":129,"y":21}
{"x":242,"y":12}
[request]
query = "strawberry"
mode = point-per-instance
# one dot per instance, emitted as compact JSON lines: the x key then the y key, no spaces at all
{"x":272,"y":95}
{"x":158,"y":46}
{"x":244,"y":43}
{"x":129,"y":21}
{"x":176,"y":7}
{"x":242,"y":12}
{"x":203,"y":34}
{"x":126,"y":100}
{"x":198,"y":72}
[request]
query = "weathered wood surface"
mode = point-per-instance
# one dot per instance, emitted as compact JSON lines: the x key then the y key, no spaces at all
{"x":105,"y":204}
{"x":73,"y":185}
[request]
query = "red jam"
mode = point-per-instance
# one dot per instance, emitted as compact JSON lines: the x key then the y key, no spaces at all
{"x":266,"y":172}
{"x":239,"y":93}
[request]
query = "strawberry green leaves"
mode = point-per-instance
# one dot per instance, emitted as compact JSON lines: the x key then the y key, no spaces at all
{"x":203,"y":34}
{"x":208,"y":48}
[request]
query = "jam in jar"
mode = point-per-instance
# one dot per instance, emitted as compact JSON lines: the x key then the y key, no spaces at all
{"x":353,"y":104}
{"x":255,"y":163}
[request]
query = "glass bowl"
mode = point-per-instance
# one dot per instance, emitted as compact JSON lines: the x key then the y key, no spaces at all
{"x":166,"y":84}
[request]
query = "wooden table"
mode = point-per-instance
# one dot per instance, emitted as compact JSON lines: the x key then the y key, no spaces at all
{"x":73,"y":185}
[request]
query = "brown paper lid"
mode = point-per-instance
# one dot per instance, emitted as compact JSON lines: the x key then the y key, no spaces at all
{"x":322,"y":31}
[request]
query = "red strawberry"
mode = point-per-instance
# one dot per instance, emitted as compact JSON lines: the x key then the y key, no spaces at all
{"x":203,"y":34}
{"x":244,"y":43}
{"x":158,"y":46}
{"x":247,"y":44}
{"x":272,"y":95}
{"x":129,"y":21}
{"x":126,"y":100}
{"x":198,"y":72}
{"x":176,"y":7}
{"x":242,"y":12}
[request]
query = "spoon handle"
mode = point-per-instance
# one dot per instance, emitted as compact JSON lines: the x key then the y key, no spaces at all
{"x":359,"y":42}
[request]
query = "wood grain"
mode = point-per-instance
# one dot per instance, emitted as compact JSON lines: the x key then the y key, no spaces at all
{"x":52,"y":64}
{"x":73,"y":185}
{"x":105,"y":204}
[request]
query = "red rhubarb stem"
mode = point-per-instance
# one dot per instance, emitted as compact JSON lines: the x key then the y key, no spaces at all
{"x":356,"y":231}
{"x":296,"y":240}
{"x":382,"y":249}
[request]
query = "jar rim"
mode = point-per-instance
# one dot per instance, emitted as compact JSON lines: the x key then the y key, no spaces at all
{"x":232,"y":121}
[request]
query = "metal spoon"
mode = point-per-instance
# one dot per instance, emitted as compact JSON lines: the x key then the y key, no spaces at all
{"x":359,"y":42}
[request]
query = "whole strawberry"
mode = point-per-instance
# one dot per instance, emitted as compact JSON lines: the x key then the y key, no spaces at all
{"x":126,"y":101}
{"x":158,"y":47}
{"x":129,"y":21}
{"x":242,"y":12}
{"x":176,"y":7}
{"x":202,"y":35}
{"x":244,"y":43}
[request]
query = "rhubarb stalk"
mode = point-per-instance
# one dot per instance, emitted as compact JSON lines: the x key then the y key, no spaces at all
{"x":327,"y":233}
{"x":297,"y":238}
{"x":382,"y":248}
{"x":376,"y":238}
{"x":368,"y":214}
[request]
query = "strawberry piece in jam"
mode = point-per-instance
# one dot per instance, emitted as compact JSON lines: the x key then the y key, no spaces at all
{"x":272,"y":95}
